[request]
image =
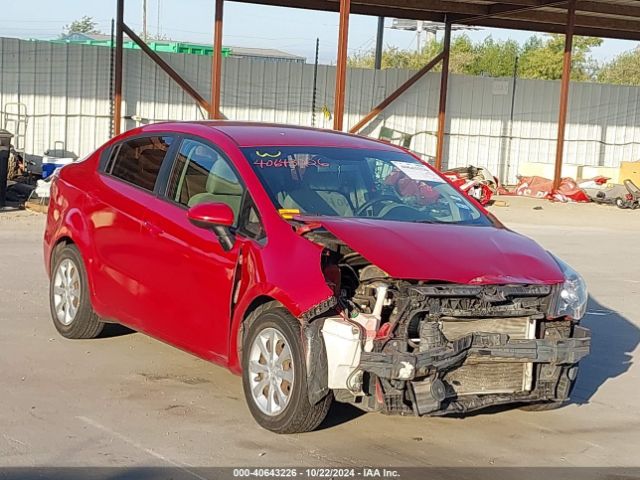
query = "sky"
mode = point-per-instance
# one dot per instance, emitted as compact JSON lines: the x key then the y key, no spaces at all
{"x":247,"y":25}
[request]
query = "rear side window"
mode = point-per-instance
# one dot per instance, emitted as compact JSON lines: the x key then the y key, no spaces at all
{"x":138,"y":161}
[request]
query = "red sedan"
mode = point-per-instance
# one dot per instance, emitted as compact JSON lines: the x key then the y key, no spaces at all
{"x":318,"y":265}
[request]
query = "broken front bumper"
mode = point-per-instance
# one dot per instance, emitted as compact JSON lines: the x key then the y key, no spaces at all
{"x":554,"y":370}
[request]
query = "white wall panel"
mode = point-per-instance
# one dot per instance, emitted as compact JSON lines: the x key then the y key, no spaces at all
{"x":65,"y":89}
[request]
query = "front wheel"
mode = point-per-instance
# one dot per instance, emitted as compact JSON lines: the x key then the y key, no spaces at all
{"x":274,"y":373}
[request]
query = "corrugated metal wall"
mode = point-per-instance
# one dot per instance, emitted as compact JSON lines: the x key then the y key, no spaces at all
{"x":65,"y":91}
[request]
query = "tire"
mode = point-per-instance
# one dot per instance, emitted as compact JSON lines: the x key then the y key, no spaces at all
{"x":289,"y":410}
{"x":541,"y":407}
{"x":69,"y":301}
{"x":620,"y":203}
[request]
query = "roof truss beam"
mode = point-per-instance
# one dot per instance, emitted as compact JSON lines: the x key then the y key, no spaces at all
{"x":594,"y":18}
{"x":500,"y":9}
{"x":599,"y":7}
{"x":586,"y":21}
{"x":530,"y":26}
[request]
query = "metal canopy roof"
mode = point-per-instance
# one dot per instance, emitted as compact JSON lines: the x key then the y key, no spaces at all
{"x":598,"y":18}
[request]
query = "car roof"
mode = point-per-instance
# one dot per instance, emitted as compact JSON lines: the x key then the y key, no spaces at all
{"x":252,"y":134}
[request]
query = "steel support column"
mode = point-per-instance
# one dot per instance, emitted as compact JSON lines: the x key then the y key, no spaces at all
{"x":216,"y":62}
{"x":442,"y":109}
{"x":564,"y":91}
{"x":377,"y":64}
{"x":117,"y":87}
{"x":341,"y":65}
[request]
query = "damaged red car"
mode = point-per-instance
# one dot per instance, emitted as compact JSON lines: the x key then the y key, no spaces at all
{"x":318,"y":265}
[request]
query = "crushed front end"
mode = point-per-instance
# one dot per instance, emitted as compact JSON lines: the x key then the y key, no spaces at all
{"x":433,"y":348}
{"x":457,"y":348}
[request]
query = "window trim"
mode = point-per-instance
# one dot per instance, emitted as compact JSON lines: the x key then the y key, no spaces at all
{"x":241,"y":229}
{"x":107,"y":162}
{"x":106,"y":158}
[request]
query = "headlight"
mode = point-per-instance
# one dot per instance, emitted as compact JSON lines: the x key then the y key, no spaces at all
{"x":571,"y":298}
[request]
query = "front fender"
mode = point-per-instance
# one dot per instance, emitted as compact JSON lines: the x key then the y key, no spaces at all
{"x":300,"y":288}
{"x":245,"y":306}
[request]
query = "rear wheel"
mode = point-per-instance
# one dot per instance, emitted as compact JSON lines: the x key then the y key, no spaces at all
{"x":69,"y":301}
{"x":274,"y":373}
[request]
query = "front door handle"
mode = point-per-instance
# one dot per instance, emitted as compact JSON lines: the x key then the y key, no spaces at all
{"x":152,"y":228}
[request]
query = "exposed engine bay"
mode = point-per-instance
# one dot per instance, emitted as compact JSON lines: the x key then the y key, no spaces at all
{"x":422,"y":347}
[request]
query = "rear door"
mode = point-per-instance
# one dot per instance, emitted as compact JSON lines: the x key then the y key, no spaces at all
{"x":118,"y":200}
{"x":189,"y":275}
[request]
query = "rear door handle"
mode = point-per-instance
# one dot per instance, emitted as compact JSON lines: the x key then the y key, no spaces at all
{"x":152,"y":228}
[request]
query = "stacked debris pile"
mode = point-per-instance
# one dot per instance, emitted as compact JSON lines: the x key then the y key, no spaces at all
{"x":477,"y":182}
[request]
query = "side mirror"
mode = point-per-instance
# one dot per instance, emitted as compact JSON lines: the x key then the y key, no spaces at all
{"x":217,"y":217}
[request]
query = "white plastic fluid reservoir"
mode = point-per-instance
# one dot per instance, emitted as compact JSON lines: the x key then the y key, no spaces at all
{"x":343,"y":345}
{"x":370,"y":323}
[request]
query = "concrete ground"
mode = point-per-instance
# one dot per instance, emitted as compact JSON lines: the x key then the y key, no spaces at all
{"x":129,"y":400}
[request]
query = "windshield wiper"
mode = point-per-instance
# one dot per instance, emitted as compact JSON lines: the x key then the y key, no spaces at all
{"x":432,"y":222}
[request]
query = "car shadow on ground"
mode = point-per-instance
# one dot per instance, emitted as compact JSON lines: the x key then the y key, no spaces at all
{"x":613,"y":340}
{"x":340,"y":413}
{"x":115,"y":330}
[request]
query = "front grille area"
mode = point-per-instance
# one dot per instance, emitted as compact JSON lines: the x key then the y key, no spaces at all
{"x":482,"y":375}
{"x":485,"y":378}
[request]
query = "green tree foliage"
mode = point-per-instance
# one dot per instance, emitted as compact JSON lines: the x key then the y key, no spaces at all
{"x":493,"y":58}
{"x":539,"y":57}
{"x":623,"y":70}
{"x":393,"y":57}
{"x":85,"y":24}
{"x":542,"y":58}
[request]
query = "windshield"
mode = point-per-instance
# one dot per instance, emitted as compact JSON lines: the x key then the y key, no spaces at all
{"x":347,"y":182}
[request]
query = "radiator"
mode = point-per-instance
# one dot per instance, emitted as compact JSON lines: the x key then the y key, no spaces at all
{"x":484,"y":375}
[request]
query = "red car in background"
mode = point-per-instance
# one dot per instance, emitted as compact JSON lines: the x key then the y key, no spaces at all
{"x":318,"y":265}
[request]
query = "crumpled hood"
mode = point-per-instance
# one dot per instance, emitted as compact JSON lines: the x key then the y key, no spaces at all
{"x":449,"y":253}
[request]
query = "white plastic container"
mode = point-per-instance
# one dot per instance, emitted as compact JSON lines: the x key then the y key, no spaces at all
{"x":343,"y":344}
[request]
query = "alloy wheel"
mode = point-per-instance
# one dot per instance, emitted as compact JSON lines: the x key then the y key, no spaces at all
{"x":271,"y":371}
{"x":66,"y":291}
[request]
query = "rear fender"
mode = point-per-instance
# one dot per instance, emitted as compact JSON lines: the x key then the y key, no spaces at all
{"x":71,"y":225}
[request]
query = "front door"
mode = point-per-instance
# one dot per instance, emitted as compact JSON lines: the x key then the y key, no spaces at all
{"x":189,"y":275}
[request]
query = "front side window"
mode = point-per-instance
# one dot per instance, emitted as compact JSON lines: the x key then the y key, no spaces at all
{"x":345,"y":182}
{"x":200,"y":174}
{"x":138,"y":161}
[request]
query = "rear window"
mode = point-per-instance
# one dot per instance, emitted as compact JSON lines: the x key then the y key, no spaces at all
{"x":138,"y":161}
